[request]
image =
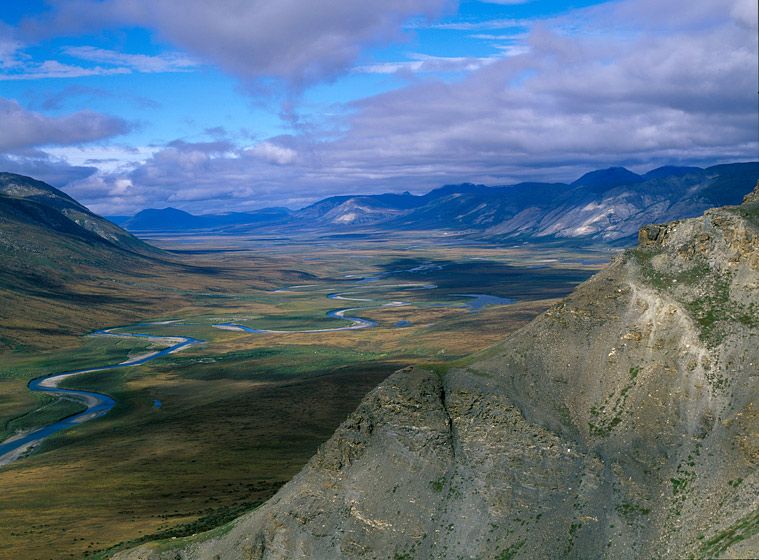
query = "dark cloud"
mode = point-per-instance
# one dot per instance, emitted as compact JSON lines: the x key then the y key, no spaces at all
{"x":22,"y":129}
{"x":287,"y":40}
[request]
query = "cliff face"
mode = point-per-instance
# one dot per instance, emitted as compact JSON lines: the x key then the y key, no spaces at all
{"x":622,"y":423}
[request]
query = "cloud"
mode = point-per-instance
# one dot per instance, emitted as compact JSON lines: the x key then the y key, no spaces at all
{"x":636,"y":82}
{"x":112,"y":63}
{"x":501,"y":23}
{"x":54,"y":69}
{"x":272,"y":153}
{"x":23,"y":129}
{"x":56,"y":100}
{"x":164,"y":62}
{"x":254,"y":40}
{"x":421,"y":63}
{"x":9,"y":46}
{"x":745,"y":13}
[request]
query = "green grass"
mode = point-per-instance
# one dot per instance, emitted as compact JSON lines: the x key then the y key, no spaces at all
{"x":511,"y":551}
{"x":438,"y":484}
{"x":631,"y":511}
{"x":91,"y":352}
{"x":740,"y":530}
{"x":50,"y":410}
{"x":241,"y":414}
{"x":707,"y":299}
{"x":270,"y":363}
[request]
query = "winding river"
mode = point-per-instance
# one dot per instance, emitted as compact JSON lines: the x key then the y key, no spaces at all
{"x":97,"y":404}
{"x":357,"y":323}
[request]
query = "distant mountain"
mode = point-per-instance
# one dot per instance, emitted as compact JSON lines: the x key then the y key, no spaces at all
{"x":172,"y":219}
{"x":608,"y":178}
{"x":671,"y":171}
{"x":607,"y":206}
{"x":358,"y":210}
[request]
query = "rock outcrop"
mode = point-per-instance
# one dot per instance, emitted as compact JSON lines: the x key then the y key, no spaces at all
{"x":622,"y":423}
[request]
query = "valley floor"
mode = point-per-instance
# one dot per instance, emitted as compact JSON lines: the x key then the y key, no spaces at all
{"x":199,"y":437}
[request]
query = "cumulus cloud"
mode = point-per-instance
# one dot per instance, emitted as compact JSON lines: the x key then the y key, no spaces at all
{"x":23,"y":129}
{"x":635,"y":82}
{"x":284,"y":40}
{"x":273,"y":153}
{"x":631,"y":82}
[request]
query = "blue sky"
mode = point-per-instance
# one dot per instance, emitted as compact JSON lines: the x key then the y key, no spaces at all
{"x":194,"y":104}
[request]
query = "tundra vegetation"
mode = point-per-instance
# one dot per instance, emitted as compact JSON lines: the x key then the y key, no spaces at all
{"x":242,"y":413}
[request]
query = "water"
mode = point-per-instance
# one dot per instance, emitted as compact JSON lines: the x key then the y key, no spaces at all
{"x":478,"y":301}
{"x":98,"y":404}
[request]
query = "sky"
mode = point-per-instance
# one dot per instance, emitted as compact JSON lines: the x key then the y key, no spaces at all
{"x":234,"y":105}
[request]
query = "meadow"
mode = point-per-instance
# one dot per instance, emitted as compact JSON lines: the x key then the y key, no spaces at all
{"x":201,"y":436}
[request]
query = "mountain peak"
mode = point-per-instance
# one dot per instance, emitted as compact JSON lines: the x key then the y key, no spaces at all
{"x":608,"y":178}
{"x":169,"y":211}
{"x":37,"y":204}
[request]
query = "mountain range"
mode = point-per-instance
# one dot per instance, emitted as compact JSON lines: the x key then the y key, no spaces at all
{"x":172,"y":219}
{"x":621,"y":423}
{"x":604,"y":206}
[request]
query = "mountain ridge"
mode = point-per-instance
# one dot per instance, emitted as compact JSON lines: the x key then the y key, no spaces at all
{"x":618,"y":424}
{"x":65,"y":269}
{"x":604,"y":206}
{"x":31,"y":198}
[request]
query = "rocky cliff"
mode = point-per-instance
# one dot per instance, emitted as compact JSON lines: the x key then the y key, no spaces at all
{"x":622,"y":423}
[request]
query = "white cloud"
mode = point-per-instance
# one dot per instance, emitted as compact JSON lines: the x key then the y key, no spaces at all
{"x":633,"y":82}
{"x":165,"y":62}
{"x":421,"y":63}
{"x":256,"y":39}
{"x":24,"y":129}
{"x":272,"y":153}
{"x":9,"y":47}
{"x":501,"y":23}
{"x":745,"y":12}
{"x":55,"y":69}
{"x":19,"y":67}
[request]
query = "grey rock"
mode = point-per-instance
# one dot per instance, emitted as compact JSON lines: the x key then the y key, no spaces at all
{"x":619,"y":424}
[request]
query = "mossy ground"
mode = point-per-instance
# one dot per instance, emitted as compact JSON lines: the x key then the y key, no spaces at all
{"x":240,"y":415}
